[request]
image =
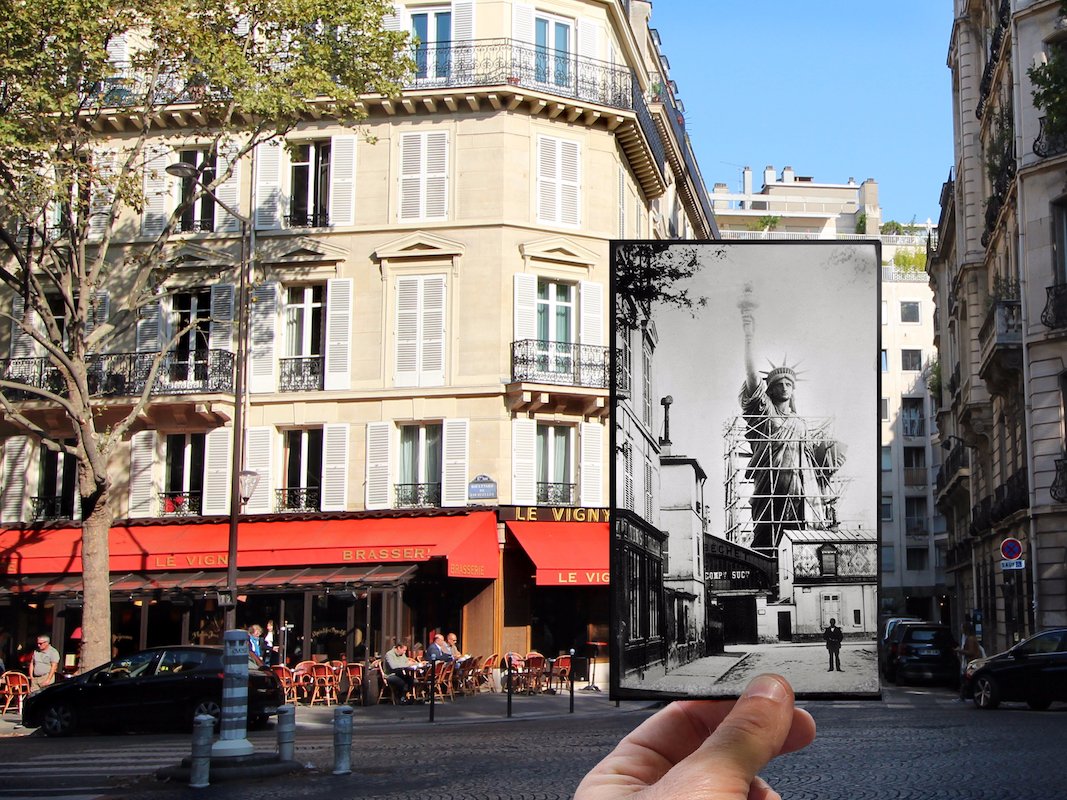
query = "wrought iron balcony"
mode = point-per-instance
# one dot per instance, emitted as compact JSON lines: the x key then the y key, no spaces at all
{"x":1055,"y":313}
{"x":176,"y":504}
{"x":309,"y":219}
{"x":915,"y":476}
{"x":981,"y":516}
{"x":1010,"y":496}
{"x":560,"y":363}
{"x":958,"y":460}
{"x":205,"y":225}
{"x":623,"y":380}
{"x":46,"y":507}
{"x":1058,"y":489}
{"x":418,"y":495}
{"x":301,"y":374}
{"x":126,"y":374}
{"x":954,"y":381}
{"x":296,"y":499}
{"x":1049,"y":142}
{"x":913,"y":426}
{"x":1000,"y":340}
{"x":556,"y":494}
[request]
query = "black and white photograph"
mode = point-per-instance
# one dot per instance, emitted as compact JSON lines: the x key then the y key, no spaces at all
{"x":745,"y":486}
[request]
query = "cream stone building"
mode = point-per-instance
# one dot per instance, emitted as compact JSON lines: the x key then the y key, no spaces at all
{"x":428,"y":373}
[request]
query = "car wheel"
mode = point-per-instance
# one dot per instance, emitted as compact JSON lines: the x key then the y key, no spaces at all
{"x":59,"y":720}
{"x":206,"y":705}
{"x":1038,"y":702}
{"x":986,"y":692}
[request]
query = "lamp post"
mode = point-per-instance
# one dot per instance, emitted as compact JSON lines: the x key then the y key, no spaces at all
{"x":242,"y":482}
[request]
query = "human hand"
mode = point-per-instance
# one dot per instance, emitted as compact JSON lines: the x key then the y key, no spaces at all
{"x":705,"y":750}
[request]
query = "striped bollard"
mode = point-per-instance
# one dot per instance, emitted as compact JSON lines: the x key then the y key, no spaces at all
{"x":342,"y":740}
{"x":233,"y":727}
{"x":286,"y":732}
{"x":200,"y":758}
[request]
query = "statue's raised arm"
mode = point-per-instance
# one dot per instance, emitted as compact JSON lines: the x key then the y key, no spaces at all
{"x":748,"y":324}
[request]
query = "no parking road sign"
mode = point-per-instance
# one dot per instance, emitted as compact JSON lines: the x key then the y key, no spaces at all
{"x":1011,"y":549}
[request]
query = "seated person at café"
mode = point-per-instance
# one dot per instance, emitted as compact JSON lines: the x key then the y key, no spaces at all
{"x":439,"y":650}
{"x":453,"y":645}
{"x":401,"y":681}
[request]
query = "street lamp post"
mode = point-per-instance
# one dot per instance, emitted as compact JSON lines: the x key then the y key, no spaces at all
{"x":242,"y":482}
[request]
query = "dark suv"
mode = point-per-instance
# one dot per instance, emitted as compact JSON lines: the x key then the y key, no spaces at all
{"x":1034,"y":671}
{"x":922,"y":651}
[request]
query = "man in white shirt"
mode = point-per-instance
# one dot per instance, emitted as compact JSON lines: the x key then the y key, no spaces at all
{"x":45,"y":663}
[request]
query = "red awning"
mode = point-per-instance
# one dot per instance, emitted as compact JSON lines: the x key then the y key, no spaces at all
{"x":565,"y":553}
{"x":467,"y":541}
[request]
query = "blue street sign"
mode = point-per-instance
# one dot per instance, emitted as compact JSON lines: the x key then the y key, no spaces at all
{"x":1017,"y":563}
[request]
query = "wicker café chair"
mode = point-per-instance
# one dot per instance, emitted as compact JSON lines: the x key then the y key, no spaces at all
{"x":14,"y":686}
{"x":534,"y":672}
{"x":354,"y":673}
{"x":324,"y":685}
{"x":561,"y":671}
{"x":289,"y":687}
{"x":486,"y":676}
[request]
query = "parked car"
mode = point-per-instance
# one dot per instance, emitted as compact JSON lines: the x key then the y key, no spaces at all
{"x":883,"y":641}
{"x":924,"y":651}
{"x":163,"y":687}
{"x":1033,"y":671}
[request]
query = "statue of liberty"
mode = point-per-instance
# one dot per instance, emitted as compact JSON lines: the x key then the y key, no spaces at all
{"x":791,"y":464}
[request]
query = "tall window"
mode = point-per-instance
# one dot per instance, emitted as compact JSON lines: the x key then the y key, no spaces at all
{"x":309,"y":185}
{"x":912,"y":418}
{"x":56,"y":491}
{"x":556,"y":326}
{"x":191,"y":323}
{"x":301,"y":369}
{"x":303,"y":471}
{"x":198,"y":216}
{"x":885,"y":361}
{"x":420,"y":466}
{"x":828,"y":560}
{"x":887,"y":508}
{"x":424,"y":176}
{"x":914,"y":466}
{"x":918,"y":558}
{"x":646,"y":387}
{"x":883,"y":408}
{"x":628,"y":476}
{"x":555,"y":465}
{"x":431,"y":30}
{"x":553,"y":41}
{"x":559,"y":176}
{"x":184,"y":480}
{"x":915,"y":522}
{"x":887,"y":458}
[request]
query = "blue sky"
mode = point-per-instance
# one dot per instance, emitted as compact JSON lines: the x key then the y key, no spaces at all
{"x":833,"y":89}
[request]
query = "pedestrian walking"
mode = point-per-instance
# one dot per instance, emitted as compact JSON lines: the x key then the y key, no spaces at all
{"x":44,"y":664}
{"x":833,"y":636}
{"x":970,"y":649}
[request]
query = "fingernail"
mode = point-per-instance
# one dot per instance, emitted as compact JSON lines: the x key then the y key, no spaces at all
{"x":766,"y":687}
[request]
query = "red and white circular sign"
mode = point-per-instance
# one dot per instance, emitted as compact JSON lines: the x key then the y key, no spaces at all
{"x":1011,"y":548}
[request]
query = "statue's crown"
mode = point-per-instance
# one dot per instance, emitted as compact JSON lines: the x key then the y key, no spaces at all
{"x":778,"y":373}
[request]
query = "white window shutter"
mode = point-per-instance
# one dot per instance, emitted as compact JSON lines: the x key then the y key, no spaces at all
{"x":591,"y":298}
{"x":149,"y":333}
{"x":101,"y":309}
{"x":342,"y":181}
{"x":379,"y":446}
{"x":454,"y":464}
{"x":156,"y":191}
{"x":588,"y":38}
{"x":570,"y":183}
{"x":101,"y":196}
{"x":334,"y":467}
{"x":229,"y":191}
{"x":622,"y":202}
{"x":522,"y":23}
{"x":269,"y":200}
{"x":548,"y":188}
{"x":259,"y":457}
{"x":407,"y":331}
{"x":462,"y":21}
{"x":589,"y":65}
{"x":436,"y":161}
{"x":263,"y":324}
{"x":525,"y":306}
{"x":338,"y":360}
{"x":591,"y":477}
{"x":142,"y":474}
{"x":432,"y":335}
{"x":221,"y":331}
{"x":523,"y":462}
{"x":410,"y":176}
{"x":218,"y":458}
{"x":22,"y":344}
{"x":118,"y":53}
{"x":391,"y":19}
{"x":13,"y":497}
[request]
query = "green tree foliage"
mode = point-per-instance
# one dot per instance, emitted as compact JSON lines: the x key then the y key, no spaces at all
{"x":1050,"y":86}
{"x":910,"y":259}
{"x":892,"y":228}
{"x":84,"y":86}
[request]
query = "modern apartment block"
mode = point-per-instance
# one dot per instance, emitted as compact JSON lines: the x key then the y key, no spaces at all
{"x":998,"y":276}
{"x":428,"y":376}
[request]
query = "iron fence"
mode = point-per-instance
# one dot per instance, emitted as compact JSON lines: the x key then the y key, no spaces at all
{"x":560,"y":363}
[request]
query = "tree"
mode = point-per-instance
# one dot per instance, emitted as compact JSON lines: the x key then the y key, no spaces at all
{"x":83,"y":88}
{"x":647,"y":273}
{"x":910,"y":259}
{"x":1050,"y":86}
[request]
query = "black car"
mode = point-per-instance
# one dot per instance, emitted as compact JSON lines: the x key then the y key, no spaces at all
{"x":164,"y":687}
{"x":1033,"y":671}
{"x":924,"y":651}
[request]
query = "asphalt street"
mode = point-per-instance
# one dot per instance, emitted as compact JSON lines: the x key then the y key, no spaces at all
{"x":913,"y":743}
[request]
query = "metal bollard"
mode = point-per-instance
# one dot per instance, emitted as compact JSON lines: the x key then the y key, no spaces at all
{"x":433,"y":684}
{"x":286,"y":732}
{"x":200,"y":760}
{"x":570,"y":677}
{"x":507,"y":657}
{"x":233,"y":726}
{"x":342,"y":740}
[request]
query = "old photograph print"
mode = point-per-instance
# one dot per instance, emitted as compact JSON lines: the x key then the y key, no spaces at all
{"x":745,"y":485}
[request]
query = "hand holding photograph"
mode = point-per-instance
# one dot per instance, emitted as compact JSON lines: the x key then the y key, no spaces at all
{"x":745,"y":524}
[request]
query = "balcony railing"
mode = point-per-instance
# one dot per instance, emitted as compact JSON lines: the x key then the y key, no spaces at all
{"x":913,"y":426}
{"x":1003,"y":326}
{"x":1058,"y":489}
{"x":915,"y":476}
{"x":981,"y":516}
{"x":308,"y":219}
{"x":296,"y":499}
{"x":47,"y":507}
{"x":418,"y":495}
{"x":301,"y":374}
{"x":126,"y":374}
{"x":958,"y":459}
{"x":560,"y":363}
{"x":205,"y":225}
{"x":1049,"y":142}
{"x":954,"y":381}
{"x":623,"y":380}
{"x":1055,"y":313}
{"x":179,"y":503}
{"x":556,"y":494}
{"x":916,"y":527}
{"x":1010,"y":496}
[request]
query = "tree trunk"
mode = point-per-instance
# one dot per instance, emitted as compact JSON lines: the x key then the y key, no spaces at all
{"x":96,"y":576}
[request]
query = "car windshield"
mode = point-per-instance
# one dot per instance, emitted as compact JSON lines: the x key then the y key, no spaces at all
{"x":130,"y":666}
{"x":928,"y":636}
{"x":1046,"y":643}
{"x":181,"y":661}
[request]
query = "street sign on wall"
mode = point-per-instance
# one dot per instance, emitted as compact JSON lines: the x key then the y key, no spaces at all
{"x":1011,"y":549}
{"x":1013,"y":563}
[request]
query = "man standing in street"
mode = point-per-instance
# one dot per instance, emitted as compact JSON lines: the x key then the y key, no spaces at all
{"x":45,"y":663}
{"x":833,"y":636}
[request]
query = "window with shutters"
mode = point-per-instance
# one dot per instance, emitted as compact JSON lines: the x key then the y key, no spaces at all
{"x":183,"y":480}
{"x":628,"y":476}
{"x":553,"y":46}
{"x":431,"y":34}
{"x":420,"y":466}
{"x":305,"y":325}
{"x":556,"y":330}
{"x":646,"y":386}
{"x":303,"y":471}
{"x":420,"y":330}
{"x":558,"y":181}
{"x":424,"y":176}
{"x":650,"y":490}
{"x":200,"y":215}
{"x":57,"y":486}
{"x":556,"y":483}
{"x":191,"y":326}
{"x":309,"y":184}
